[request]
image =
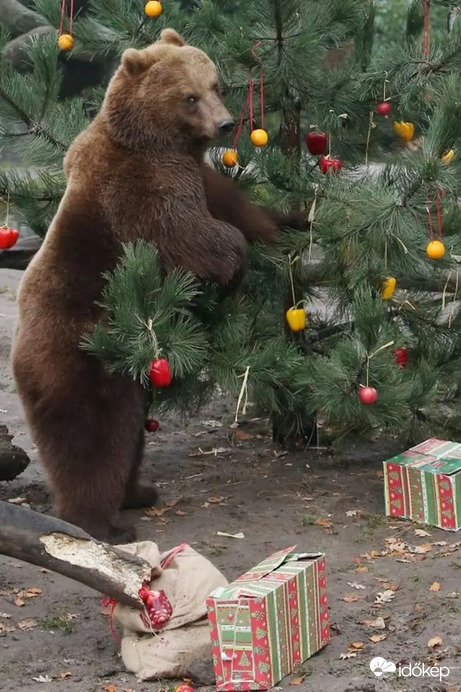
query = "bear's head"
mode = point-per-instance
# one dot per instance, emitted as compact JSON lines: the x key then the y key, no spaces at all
{"x":166,"y":95}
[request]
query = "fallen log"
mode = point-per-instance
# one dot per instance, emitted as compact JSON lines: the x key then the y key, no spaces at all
{"x":66,"y":549}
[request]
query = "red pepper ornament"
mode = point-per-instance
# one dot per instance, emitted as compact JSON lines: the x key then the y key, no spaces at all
{"x":157,"y":605}
{"x":160,"y":373}
{"x":317,"y":143}
{"x":8,"y":237}
{"x":401,"y":356}
{"x":329,"y":164}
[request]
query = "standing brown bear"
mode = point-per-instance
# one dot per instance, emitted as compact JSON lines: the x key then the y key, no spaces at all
{"x":136,"y":172}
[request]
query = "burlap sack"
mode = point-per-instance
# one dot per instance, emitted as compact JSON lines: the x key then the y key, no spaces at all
{"x":187,"y":581}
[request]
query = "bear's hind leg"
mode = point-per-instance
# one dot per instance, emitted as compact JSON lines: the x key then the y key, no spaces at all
{"x":138,"y":495}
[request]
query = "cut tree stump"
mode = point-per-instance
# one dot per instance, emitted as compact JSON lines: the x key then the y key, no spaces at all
{"x":13,"y":460}
{"x":66,"y":549}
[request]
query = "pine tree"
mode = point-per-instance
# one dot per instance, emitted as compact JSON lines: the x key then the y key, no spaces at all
{"x":324,"y":65}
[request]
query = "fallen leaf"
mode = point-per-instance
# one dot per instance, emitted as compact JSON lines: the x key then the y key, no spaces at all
{"x":356,"y":645}
{"x":421,"y":533}
{"x":435,"y":586}
{"x":354,"y":513}
{"x":30,"y":593}
{"x":66,"y":674}
{"x":180,"y":513}
{"x":324,"y":523}
{"x":350,"y":654}
{"x":5,"y":616}
{"x":43,"y":678}
{"x":384,"y":597}
{"x":215,"y":500}
{"x":355,"y":585}
{"x":351,"y":598}
{"x":435,"y":641}
{"x":442,"y":543}
{"x":231,"y":535}
{"x":212,"y":423}
{"x":424,"y":548}
{"x":27,"y":624}
{"x":160,"y":511}
{"x":378,"y":623}
{"x":242,"y":435}
{"x":110,"y":688}
{"x":362,"y":568}
{"x":17,"y":500}
{"x":296,"y":681}
{"x":377,"y":638}
{"x":390,"y":587}
{"x":5,"y":628}
{"x":19,"y":602}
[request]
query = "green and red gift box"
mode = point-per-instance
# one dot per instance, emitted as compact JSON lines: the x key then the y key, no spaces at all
{"x":424,"y":484}
{"x":269,"y":621}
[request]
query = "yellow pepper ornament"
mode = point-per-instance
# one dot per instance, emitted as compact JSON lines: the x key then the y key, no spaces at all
{"x":448,"y":156}
{"x":296,"y":318}
{"x":404,"y":130}
{"x":389,"y":287}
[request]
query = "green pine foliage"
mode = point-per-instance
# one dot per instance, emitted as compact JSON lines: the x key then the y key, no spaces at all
{"x":326,"y":65}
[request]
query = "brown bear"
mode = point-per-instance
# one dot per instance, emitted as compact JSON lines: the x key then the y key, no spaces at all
{"x":136,"y":172}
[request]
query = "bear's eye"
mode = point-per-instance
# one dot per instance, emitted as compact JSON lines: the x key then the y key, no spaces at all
{"x":192,"y":99}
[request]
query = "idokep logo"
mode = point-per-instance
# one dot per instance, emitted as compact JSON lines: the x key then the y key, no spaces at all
{"x":379,"y":667}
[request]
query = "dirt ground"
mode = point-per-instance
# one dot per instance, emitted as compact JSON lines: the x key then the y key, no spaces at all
{"x":60,"y":640}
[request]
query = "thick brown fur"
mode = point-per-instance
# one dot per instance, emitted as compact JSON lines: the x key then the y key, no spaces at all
{"x":136,"y":172}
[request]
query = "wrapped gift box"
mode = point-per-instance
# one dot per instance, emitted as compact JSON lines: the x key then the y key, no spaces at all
{"x":424,"y":484}
{"x":269,"y":620}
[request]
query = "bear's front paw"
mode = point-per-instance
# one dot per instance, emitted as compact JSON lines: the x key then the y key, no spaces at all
{"x":140,"y":496}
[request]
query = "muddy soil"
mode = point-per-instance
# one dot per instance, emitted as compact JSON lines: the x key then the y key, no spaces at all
{"x":276,"y":499}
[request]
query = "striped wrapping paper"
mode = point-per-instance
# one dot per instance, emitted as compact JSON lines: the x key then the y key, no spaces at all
{"x":424,"y":484}
{"x":269,"y":621}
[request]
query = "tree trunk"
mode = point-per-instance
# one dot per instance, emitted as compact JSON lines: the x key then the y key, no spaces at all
{"x":290,"y":136}
{"x":63,"y":548}
{"x":13,"y":460}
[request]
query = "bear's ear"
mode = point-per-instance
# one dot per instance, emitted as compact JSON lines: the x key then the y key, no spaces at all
{"x":135,"y":61}
{"x":171,"y":36}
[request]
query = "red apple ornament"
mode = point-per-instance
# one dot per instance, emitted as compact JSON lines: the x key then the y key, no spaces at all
{"x":151,"y":425}
{"x":330,"y":164}
{"x":8,"y":237}
{"x":160,"y":373}
{"x":368,"y":395}
{"x":384,"y":108}
{"x":316,"y":143}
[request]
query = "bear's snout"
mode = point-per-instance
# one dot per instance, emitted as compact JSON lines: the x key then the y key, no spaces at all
{"x":225,"y":126}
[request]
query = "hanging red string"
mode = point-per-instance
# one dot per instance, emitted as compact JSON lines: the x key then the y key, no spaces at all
{"x":261,"y":82}
{"x":63,"y":14}
{"x":251,"y":86}
{"x":426,"y":29}
{"x":240,"y":125}
{"x":429,"y":218}
{"x":71,"y":19}
{"x":438,"y":213}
